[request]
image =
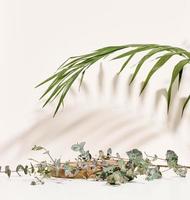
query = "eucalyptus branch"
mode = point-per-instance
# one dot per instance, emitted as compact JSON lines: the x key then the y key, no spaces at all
{"x":37,"y":148}
{"x":106,"y":167}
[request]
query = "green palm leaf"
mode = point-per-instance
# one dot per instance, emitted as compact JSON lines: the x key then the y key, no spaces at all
{"x":162,"y":60}
{"x":125,"y":63}
{"x":180,"y":78}
{"x":185,"y":104}
{"x":145,"y":58}
{"x":69,"y":71}
{"x":175,"y":73}
{"x":137,"y":50}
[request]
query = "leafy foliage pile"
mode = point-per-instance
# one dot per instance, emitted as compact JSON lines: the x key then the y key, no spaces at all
{"x":105,"y":167}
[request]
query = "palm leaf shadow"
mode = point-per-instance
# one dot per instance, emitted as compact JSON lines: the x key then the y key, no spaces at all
{"x":92,"y":123}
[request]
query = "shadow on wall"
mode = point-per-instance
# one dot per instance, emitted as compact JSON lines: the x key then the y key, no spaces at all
{"x":103,"y":124}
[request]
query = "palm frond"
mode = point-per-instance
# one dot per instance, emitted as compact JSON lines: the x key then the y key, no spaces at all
{"x":162,"y":60}
{"x":145,"y":58}
{"x":180,"y":78}
{"x":185,"y":104}
{"x":176,"y":71}
{"x":76,"y":66}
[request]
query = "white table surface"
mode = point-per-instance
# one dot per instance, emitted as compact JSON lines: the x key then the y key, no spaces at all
{"x":169,"y":187}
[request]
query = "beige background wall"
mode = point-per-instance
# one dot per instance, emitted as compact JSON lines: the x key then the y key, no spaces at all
{"x":37,"y":36}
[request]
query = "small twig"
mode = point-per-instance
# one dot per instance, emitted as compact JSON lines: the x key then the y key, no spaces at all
{"x":48,"y":153}
{"x":39,"y":180}
{"x":154,"y":157}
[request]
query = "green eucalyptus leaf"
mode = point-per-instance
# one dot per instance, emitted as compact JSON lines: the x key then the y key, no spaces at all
{"x":70,"y":171}
{"x":109,"y":169}
{"x":22,"y":168}
{"x":76,"y":147}
{"x":155,"y":158}
{"x":171,"y":158}
{"x":33,"y":183}
{"x":82,"y":144}
{"x":130,"y":174}
{"x":8,"y":170}
{"x":143,"y":166}
{"x":153,"y":173}
{"x":101,"y":176}
{"x":101,"y":154}
{"x":109,"y":152}
{"x":135,"y":156}
{"x":32,"y":170}
{"x":118,"y":156}
{"x":85,"y":155}
{"x":122,"y":165}
{"x":116,"y":178}
{"x":181,"y":171}
{"x":37,"y":148}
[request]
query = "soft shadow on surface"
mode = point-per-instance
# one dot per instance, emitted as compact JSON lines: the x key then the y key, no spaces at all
{"x":99,"y":123}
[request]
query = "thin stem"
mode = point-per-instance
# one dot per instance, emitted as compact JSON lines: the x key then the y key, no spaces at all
{"x":48,"y":153}
{"x":154,"y":157}
{"x":39,"y":180}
